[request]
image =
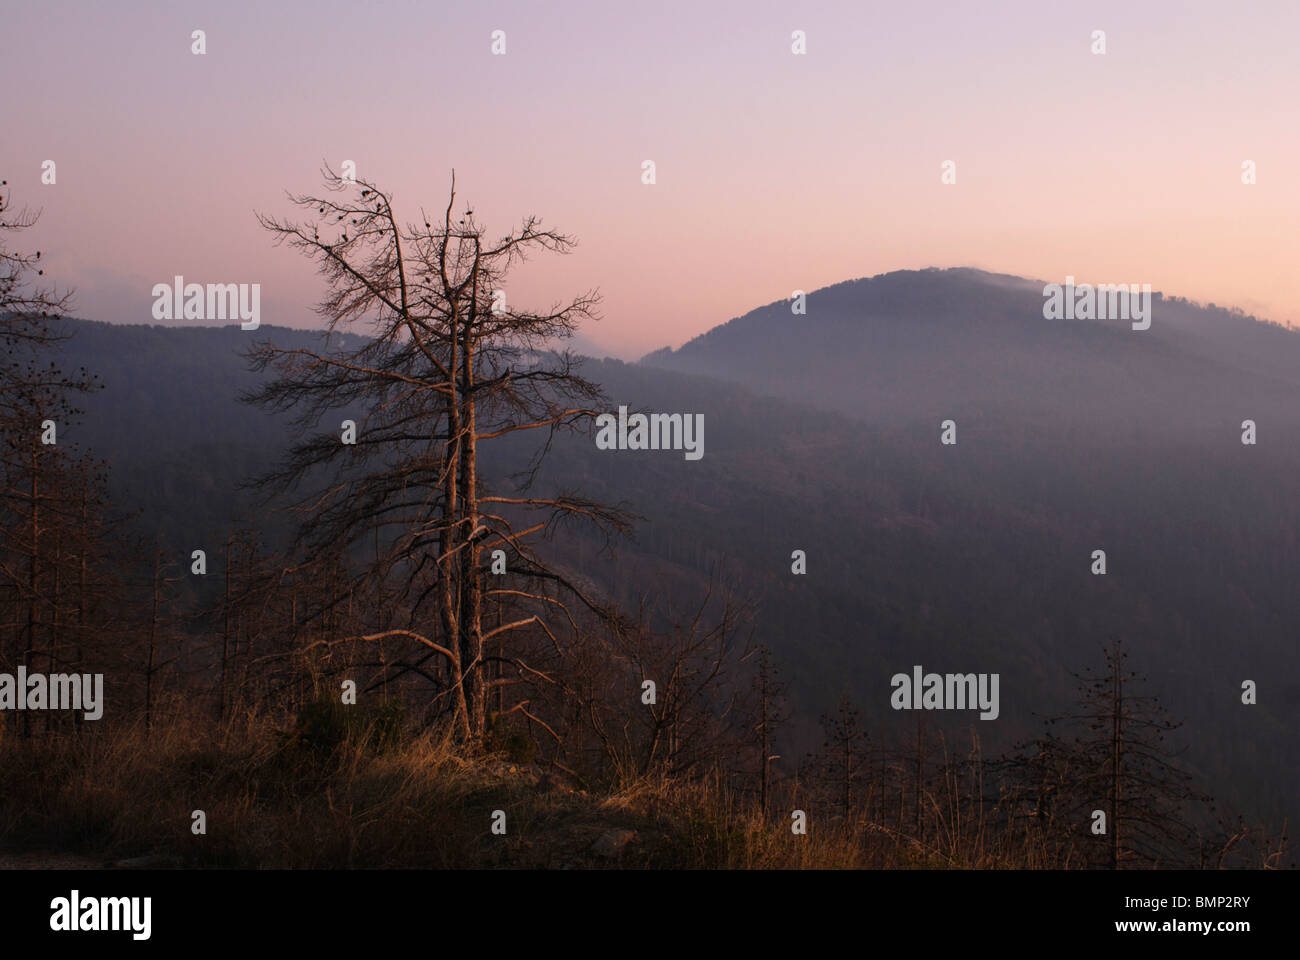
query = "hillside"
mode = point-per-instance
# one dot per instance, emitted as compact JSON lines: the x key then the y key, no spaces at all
{"x":823,"y":435}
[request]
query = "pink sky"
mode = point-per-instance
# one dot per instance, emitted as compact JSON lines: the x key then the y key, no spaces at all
{"x":775,"y":171}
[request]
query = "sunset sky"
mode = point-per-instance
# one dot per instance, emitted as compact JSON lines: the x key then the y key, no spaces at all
{"x":774,"y":171}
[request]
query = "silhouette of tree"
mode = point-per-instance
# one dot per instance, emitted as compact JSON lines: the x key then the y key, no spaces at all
{"x":768,"y":714}
{"x":1113,"y":756}
{"x":48,"y":493}
{"x":842,"y":766}
{"x":449,"y":368}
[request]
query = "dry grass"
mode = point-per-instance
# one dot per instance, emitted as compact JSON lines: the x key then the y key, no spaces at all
{"x":274,"y":800}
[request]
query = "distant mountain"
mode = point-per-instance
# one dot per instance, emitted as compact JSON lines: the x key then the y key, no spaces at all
{"x":937,"y":344}
{"x":1074,"y":435}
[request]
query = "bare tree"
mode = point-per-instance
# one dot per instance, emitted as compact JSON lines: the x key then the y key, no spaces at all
{"x":43,"y":485}
{"x":24,"y":299}
{"x":842,"y":767}
{"x":768,"y":714}
{"x":1118,"y":761}
{"x":448,"y":367}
